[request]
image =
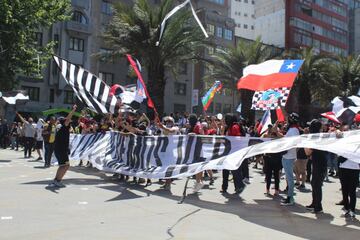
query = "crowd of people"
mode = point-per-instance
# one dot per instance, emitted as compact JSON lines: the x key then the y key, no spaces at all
{"x":300,"y":166}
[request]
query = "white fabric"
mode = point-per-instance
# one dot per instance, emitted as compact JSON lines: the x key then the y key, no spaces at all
{"x":181,"y":156}
{"x":263,"y":69}
{"x":172,"y":12}
{"x":291,"y":154}
{"x":350,"y":165}
{"x":12,"y":100}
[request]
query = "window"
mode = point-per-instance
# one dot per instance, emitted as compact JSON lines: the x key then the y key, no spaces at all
{"x":107,"y":77}
{"x":210,"y":50}
{"x":246,"y":1}
{"x":106,"y":55}
{"x":253,"y":2}
{"x":79,"y":17}
{"x":33,"y":92}
{"x":218,"y":108}
{"x":69,"y":97}
{"x":179,"y":108}
{"x":76,"y":44}
{"x":221,"y":2}
{"x":245,"y":15}
{"x":228,"y":34}
{"x":56,"y":40}
{"x":183,"y":68}
{"x":106,"y":8}
{"x":252,"y":27}
{"x":38,"y":39}
{"x":219,"y":32}
{"x":180,"y":89}
{"x":52,"y":95}
{"x":210,"y":29}
{"x":245,"y":26}
{"x":227,"y":108}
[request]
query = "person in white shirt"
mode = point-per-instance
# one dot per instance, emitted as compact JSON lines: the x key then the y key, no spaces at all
{"x":39,"y":138}
{"x":29,"y":133}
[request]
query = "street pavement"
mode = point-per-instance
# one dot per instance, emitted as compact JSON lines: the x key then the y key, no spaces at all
{"x":95,"y":206}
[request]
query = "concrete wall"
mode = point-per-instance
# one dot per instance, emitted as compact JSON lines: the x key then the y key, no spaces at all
{"x":244,"y":16}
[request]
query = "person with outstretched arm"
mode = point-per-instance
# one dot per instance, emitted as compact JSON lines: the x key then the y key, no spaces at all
{"x":62,"y":147}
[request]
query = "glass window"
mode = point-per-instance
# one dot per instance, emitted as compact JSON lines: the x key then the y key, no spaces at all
{"x":69,"y":97}
{"x":76,"y":44}
{"x":38,"y":39}
{"x":52,"y":95}
{"x":107,"y":77}
{"x":33,"y":92}
{"x":183,"y":68}
{"x":228,"y":34}
{"x":180,"y":88}
{"x":245,"y":26}
{"x":210,"y":29}
{"x":219,"y":32}
{"x":106,"y":8}
{"x":79,"y":17}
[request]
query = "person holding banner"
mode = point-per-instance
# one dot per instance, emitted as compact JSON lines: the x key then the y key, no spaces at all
{"x":319,"y":168}
{"x":61,"y":148}
{"x":232,"y":128}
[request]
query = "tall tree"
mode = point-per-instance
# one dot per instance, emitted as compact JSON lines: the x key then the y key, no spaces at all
{"x":229,"y":64}
{"x":135,"y":30}
{"x":19,"y":22}
{"x":347,"y":69}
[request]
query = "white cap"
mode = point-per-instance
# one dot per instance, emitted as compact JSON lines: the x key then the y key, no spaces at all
{"x":219,"y":116}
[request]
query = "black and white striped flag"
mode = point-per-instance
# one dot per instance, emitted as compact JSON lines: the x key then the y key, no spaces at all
{"x":90,"y":89}
{"x":345,"y":108}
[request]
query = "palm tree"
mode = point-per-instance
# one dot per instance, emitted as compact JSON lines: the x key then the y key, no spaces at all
{"x":348,"y":71}
{"x":135,"y":30}
{"x":229,"y":64}
{"x":316,"y":82}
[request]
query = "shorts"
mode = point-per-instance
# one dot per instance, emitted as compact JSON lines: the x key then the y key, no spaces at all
{"x":300,"y":166}
{"x":62,"y":157}
{"x":39,"y":145}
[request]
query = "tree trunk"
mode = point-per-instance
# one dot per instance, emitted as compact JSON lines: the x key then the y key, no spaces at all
{"x":156,"y":86}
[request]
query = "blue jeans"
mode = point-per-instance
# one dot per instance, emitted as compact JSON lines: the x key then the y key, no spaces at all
{"x":288,"y":165}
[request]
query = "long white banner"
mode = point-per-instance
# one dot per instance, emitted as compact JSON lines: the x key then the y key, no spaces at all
{"x":181,"y":156}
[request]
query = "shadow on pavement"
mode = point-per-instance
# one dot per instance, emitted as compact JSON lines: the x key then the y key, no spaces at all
{"x":5,"y":161}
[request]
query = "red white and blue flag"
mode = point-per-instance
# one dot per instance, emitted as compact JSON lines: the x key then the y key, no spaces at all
{"x":271,"y":74}
{"x":265,"y":121}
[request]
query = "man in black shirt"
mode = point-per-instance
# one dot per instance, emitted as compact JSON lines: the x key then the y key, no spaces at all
{"x":319,"y":162}
{"x":62,"y":147}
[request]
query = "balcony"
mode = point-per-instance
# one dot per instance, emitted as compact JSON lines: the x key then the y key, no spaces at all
{"x":78,"y":27}
{"x":81,"y":3}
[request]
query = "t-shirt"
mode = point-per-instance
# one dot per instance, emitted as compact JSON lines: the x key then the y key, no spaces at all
{"x":39,"y":136}
{"x":347,"y":164}
{"x":197,"y":128}
{"x":291,"y":154}
{"x":234,"y":130}
{"x":29,"y":130}
{"x":52,"y":134}
{"x":210,"y":131}
{"x":62,"y":138}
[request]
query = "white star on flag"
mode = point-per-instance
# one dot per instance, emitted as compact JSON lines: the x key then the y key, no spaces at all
{"x":290,"y":66}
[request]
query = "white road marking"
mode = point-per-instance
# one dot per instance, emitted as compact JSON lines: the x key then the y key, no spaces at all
{"x":82,"y":203}
{"x":84,"y":188}
{"x":6,"y":218}
{"x":23,"y":176}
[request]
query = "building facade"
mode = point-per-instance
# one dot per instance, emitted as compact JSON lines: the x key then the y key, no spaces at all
{"x":243,"y":13}
{"x":322,"y":24}
{"x":79,"y":41}
{"x":354,"y":27}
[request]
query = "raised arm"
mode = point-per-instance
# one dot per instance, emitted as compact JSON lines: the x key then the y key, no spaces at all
{"x":21,"y":118}
{"x":69,"y":116}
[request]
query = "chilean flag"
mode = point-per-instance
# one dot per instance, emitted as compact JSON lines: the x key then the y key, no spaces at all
{"x":265,"y":121}
{"x":270,"y":74}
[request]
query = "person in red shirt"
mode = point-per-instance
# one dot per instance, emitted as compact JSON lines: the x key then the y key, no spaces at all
{"x":232,"y":128}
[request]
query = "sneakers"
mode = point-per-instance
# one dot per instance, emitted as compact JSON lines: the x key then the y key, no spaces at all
{"x":246,"y":181}
{"x":297,"y":184}
{"x":310,"y":207}
{"x":240,"y":190}
{"x":289,"y":201}
{"x":317,"y":211}
{"x":198,"y":186}
{"x":300,"y":187}
{"x":340,"y":203}
{"x":352,"y":214}
{"x":39,"y":158}
{"x":211,"y":182}
{"x":57,"y":184}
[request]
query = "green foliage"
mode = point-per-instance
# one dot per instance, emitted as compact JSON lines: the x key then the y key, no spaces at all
{"x":135,"y":30}
{"x":347,"y":69}
{"x":19,"y":22}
